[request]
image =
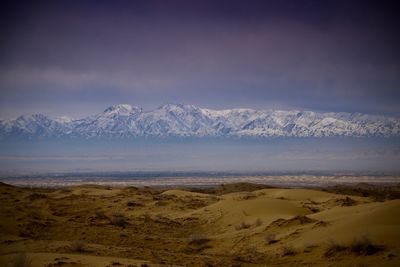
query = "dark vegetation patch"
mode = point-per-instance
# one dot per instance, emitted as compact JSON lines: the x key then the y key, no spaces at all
{"x":346,"y":202}
{"x":271,"y":239}
{"x":231,"y":188}
{"x":296,"y":220}
{"x":364,"y":246}
{"x":288,"y":251}
{"x":118,"y":219}
{"x":360,"y":246}
{"x":249,"y":255}
{"x":321,"y":224}
{"x":34,"y":229}
{"x":35,"y":196}
{"x":133,"y":203}
{"x":375,"y":192}
{"x":100,"y":215}
{"x":198,"y":239}
{"x":198,"y":243}
{"x":334,"y":248}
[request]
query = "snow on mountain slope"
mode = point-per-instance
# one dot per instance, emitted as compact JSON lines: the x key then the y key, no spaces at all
{"x":115,"y":121}
{"x":33,"y":125}
{"x":125,"y":121}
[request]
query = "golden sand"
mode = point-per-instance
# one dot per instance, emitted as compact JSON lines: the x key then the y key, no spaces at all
{"x":102,"y":226}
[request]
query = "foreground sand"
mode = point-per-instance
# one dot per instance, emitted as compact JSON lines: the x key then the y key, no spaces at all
{"x":234,"y":225}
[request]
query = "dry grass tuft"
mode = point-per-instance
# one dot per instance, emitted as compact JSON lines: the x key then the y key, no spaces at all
{"x":119,"y":219}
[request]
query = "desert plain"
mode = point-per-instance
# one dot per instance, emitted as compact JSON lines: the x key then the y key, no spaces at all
{"x":228,"y":225}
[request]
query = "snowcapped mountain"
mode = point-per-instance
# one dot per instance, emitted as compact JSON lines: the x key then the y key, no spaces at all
{"x":126,"y":121}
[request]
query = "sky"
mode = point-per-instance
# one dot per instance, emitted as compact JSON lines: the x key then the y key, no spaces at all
{"x":76,"y":58}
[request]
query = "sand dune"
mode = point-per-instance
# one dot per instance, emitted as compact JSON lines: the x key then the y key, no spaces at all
{"x":380,"y":220}
{"x":101,"y":226}
{"x":68,"y":259}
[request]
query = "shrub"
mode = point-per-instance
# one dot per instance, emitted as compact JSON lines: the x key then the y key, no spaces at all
{"x":198,"y":239}
{"x":35,"y":196}
{"x":309,"y":247}
{"x":333,"y":248}
{"x":360,"y":246}
{"x":100,"y":215}
{"x":249,"y":254}
{"x":363,"y":246}
{"x":243,"y":225}
{"x":119,"y":219}
{"x":347,"y":202}
{"x":258,"y":222}
{"x":78,"y":246}
{"x":133,"y":203}
{"x":288,"y":251}
{"x":270,"y":239}
{"x":248,"y":196}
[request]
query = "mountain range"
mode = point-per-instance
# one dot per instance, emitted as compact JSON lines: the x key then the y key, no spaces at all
{"x":178,"y":120}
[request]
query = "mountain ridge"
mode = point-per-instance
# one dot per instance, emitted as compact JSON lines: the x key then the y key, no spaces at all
{"x":180,"y":120}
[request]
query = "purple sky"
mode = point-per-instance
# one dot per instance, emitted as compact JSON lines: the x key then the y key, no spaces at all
{"x":78,"y":57}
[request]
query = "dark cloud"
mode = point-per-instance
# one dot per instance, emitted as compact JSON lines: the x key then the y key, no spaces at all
{"x":326,"y":55}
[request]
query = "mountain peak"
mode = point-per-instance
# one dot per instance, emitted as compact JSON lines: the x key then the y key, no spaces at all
{"x":64,"y":119}
{"x":172,"y":107}
{"x":122,"y":109}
